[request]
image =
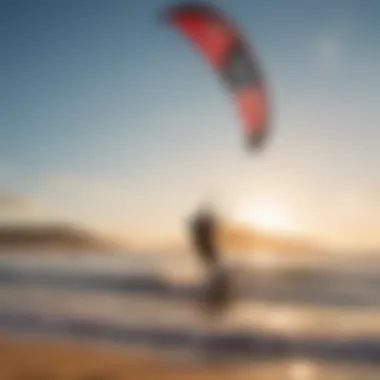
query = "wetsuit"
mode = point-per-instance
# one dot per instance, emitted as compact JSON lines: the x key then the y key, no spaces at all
{"x":217,"y":288}
{"x":203,"y":234}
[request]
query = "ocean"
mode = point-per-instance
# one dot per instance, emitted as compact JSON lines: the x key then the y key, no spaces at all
{"x":313,"y":318}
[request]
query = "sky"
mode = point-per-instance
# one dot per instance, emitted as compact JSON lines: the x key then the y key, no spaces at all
{"x":109,"y":118}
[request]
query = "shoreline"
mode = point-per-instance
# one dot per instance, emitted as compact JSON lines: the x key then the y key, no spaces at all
{"x":31,"y":358}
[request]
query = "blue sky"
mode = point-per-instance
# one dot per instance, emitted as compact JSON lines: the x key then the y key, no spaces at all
{"x":101,"y":100}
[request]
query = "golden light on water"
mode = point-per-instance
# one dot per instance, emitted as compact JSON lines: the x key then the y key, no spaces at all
{"x":302,"y":370}
{"x":283,"y":321}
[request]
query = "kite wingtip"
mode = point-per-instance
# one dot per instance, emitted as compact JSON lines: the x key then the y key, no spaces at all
{"x":257,"y":142}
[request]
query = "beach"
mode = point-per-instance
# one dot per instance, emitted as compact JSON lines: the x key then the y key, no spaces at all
{"x":32,"y":359}
{"x":112,"y":318}
{"x":36,"y":359}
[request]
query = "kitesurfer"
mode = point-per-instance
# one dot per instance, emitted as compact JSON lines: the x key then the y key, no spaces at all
{"x":204,"y":231}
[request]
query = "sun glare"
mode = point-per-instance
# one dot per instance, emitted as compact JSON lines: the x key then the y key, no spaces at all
{"x":267,"y":215}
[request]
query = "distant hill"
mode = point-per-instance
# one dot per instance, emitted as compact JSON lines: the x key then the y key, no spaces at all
{"x":64,"y":237}
{"x":239,"y":238}
{"x":233,"y":238}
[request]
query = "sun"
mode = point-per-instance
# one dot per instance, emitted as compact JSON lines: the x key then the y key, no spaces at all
{"x":265,"y":214}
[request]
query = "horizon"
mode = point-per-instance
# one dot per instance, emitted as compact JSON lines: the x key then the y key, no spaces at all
{"x":113,"y":122}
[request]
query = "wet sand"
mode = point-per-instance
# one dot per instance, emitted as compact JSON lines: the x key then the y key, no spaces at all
{"x":29,"y":359}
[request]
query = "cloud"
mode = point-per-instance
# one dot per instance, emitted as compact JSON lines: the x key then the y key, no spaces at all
{"x":15,"y":202}
{"x":86,"y":189}
{"x":16,"y":208}
{"x":62,"y":198}
{"x":96,"y":203}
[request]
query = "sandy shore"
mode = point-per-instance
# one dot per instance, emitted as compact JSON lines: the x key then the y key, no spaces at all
{"x":50,"y":360}
{"x":64,"y":360}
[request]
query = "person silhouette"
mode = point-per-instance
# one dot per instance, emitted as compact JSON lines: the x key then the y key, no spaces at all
{"x":204,"y":231}
{"x":204,"y":226}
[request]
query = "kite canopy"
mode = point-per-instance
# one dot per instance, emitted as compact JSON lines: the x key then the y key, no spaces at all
{"x":226,"y":51}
